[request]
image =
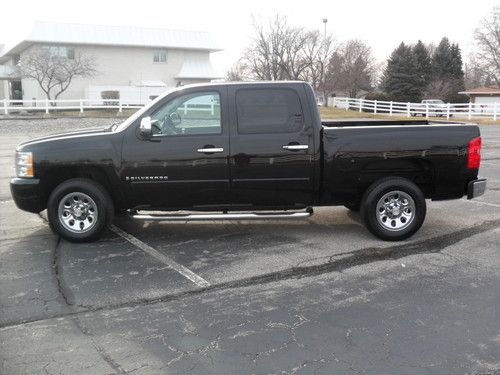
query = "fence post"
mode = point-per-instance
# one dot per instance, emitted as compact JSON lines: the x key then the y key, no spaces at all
{"x":470,"y":110}
{"x":390,"y":108}
{"x":448,"y":111}
{"x":426,"y":110}
{"x":120,"y":109}
{"x":334,"y":102}
{"x":212,"y":109}
{"x":81,"y":105}
{"x":348,"y":103}
{"x":408,"y":109}
{"x":5,"y":109}
{"x":47,"y":106}
{"x":375,"y":106}
{"x":185,"y":109}
{"x":495,"y":111}
{"x":360,"y":105}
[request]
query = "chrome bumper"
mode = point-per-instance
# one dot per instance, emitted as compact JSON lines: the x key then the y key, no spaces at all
{"x":476,"y":188}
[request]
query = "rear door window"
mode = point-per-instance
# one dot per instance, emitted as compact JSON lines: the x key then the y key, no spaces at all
{"x":268,"y":111}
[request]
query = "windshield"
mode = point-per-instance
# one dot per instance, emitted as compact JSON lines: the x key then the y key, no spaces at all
{"x":141,"y":111}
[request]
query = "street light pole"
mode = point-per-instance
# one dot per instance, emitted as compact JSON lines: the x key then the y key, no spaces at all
{"x":325,"y":20}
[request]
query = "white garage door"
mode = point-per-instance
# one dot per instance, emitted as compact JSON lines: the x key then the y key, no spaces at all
{"x":487,"y":99}
{"x":486,"y":103}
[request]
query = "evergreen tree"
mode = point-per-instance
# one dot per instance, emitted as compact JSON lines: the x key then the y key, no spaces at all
{"x":456,"y":68}
{"x":457,"y":81}
{"x":400,"y":80}
{"x":447,"y":71}
{"x":423,"y":67}
{"x":441,"y":61}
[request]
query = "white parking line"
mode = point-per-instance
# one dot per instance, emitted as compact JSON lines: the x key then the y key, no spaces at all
{"x":186,"y":272}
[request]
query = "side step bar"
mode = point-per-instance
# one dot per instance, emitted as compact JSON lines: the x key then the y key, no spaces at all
{"x":222,"y":216}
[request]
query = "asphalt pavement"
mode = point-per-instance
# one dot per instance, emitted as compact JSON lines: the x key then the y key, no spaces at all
{"x":315,"y":296}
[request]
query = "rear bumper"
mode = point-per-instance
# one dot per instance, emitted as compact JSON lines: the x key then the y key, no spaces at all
{"x":27,"y":194}
{"x":476,"y":188}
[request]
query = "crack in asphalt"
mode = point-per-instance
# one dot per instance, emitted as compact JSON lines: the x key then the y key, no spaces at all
{"x":350,"y":259}
{"x":63,"y":290}
{"x":99,"y":349}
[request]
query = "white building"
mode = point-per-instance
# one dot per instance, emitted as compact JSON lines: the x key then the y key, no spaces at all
{"x":483,"y":96}
{"x":138,"y":62}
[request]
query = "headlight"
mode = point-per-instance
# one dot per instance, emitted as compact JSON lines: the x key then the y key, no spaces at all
{"x":24,"y":164}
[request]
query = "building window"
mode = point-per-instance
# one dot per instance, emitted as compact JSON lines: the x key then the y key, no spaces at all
{"x":60,"y":51}
{"x":160,"y":56}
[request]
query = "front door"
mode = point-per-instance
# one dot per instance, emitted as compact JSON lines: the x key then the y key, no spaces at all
{"x":185,"y":163}
{"x":271,"y":159}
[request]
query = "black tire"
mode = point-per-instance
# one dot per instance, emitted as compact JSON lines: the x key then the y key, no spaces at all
{"x":353,"y":207}
{"x":100,"y":198}
{"x":374,"y":220}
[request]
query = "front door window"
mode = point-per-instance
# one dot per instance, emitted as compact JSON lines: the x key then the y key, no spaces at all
{"x":190,"y":114}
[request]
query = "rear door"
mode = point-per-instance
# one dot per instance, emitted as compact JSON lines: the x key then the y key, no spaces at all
{"x":271,"y":163}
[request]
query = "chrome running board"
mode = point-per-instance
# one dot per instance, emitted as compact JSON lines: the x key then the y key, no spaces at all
{"x":223,"y":216}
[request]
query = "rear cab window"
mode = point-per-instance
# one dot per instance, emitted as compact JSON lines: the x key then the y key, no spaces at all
{"x":261,"y":111}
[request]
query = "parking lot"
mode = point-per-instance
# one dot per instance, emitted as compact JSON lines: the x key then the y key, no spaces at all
{"x":320,"y":295}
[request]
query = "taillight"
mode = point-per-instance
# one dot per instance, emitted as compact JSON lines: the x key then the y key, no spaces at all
{"x":474,"y":153}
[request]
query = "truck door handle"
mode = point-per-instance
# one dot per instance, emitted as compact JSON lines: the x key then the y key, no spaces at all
{"x":295,"y":147}
{"x":210,"y":150}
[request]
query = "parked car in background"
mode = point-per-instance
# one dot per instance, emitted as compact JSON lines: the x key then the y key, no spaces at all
{"x":433,"y":107}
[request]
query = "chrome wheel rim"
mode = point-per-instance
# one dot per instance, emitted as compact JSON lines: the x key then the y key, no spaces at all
{"x":77,"y":212}
{"x":395,"y":210}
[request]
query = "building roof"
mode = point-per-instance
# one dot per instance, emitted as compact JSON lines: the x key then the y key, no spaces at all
{"x":482,"y":91}
{"x":70,"y":33}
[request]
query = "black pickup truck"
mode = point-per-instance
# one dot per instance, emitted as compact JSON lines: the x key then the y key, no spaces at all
{"x":245,"y":151}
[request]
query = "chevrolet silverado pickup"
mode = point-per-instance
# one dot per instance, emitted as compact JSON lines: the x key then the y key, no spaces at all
{"x":245,"y":151}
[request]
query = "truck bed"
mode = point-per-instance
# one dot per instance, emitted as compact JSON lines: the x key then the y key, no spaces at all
{"x":433,"y":154}
{"x":331,"y":123}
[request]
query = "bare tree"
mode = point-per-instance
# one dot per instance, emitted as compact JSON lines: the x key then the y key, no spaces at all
{"x":351,"y":68}
{"x":54,"y":74}
{"x":236,"y":72}
{"x":318,"y":51}
{"x":280,"y":51}
{"x":474,"y":76}
{"x":438,"y":89}
{"x":487,"y":38}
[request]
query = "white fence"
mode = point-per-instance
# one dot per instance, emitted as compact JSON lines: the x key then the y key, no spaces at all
{"x":80,"y":105}
{"x":47,"y":106}
{"x":462,"y":110}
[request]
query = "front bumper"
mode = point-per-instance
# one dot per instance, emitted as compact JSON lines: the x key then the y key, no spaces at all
{"x":476,"y":188}
{"x":27,"y":194}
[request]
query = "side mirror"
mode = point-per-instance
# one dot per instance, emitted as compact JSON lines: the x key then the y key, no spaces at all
{"x":145,"y":128}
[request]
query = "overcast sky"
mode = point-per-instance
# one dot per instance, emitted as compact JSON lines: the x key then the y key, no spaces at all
{"x":383,"y":24}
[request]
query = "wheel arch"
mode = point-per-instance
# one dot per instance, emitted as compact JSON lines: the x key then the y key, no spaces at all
{"x":55,"y":176}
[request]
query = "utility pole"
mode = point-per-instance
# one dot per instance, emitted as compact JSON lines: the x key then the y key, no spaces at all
{"x":325,"y":20}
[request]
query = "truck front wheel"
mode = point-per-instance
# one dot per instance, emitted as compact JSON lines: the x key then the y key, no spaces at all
{"x":79,"y":210}
{"x":393,"y":208}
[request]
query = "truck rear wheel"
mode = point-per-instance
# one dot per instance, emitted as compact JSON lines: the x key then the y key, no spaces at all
{"x":393,"y":208}
{"x":79,"y":210}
